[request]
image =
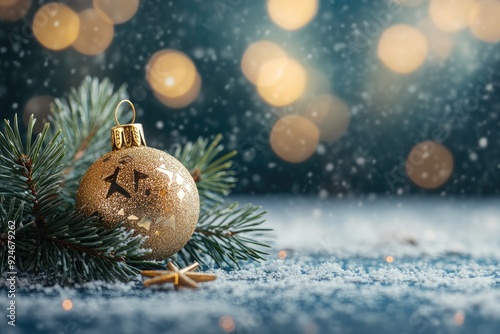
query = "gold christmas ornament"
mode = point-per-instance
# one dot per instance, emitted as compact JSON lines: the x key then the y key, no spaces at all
{"x":148,"y":189}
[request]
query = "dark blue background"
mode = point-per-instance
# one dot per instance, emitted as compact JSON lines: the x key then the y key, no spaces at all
{"x":229,"y":104}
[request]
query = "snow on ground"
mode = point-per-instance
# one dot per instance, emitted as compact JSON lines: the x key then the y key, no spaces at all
{"x":348,"y":266}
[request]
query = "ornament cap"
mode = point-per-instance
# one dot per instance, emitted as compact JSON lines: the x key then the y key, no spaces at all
{"x":127,"y":135}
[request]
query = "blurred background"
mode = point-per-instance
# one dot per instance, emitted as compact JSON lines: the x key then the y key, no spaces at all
{"x":321,"y":97}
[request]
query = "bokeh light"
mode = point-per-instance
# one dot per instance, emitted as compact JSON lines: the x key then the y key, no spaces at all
{"x":429,"y":164}
{"x":292,"y":14}
{"x":67,"y":304}
{"x":440,"y":42}
{"x":254,"y":59}
{"x":331,"y":116}
{"x":485,"y":21}
{"x":294,"y":138}
{"x":12,"y":10}
{"x":459,"y":318}
{"x":183,"y":100}
{"x":389,"y":259}
{"x":171,"y":73}
{"x":282,"y":254}
{"x":287,"y":89}
{"x":451,"y":15}
{"x":39,"y":107}
{"x":402,"y":48}
{"x":227,"y":324}
{"x":95,"y":33}
{"x":56,"y":26}
{"x":116,"y":11}
{"x":272,"y":71}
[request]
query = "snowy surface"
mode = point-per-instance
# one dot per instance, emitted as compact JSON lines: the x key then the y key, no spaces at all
{"x":335,"y":278}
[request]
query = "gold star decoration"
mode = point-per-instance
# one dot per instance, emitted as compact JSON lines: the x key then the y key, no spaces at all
{"x":180,"y":277}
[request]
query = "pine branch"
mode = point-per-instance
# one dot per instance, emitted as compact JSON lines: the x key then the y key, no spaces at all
{"x":50,"y":239}
{"x":227,"y":234}
{"x":212,"y":173}
{"x":84,"y":120}
{"x":40,"y":178}
{"x":31,"y":174}
{"x":75,"y":249}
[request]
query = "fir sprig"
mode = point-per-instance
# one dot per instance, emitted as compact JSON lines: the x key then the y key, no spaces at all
{"x":227,"y":234}
{"x":50,"y":238}
{"x":212,"y":173}
{"x":32,"y":173}
{"x":84,"y":119}
{"x":39,"y":177}
{"x":75,"y":249}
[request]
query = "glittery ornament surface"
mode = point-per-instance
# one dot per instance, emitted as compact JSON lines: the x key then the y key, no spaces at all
{"x":151,"y":191}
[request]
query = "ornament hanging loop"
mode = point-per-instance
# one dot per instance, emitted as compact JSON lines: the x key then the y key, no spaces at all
{"x":118,"y":106}
{"x":126,"y":135}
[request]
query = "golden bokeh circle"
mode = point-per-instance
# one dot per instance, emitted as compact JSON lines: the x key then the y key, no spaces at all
{"x":254,"y":59}
{"x":292,"y":14}
{"x":402,"y":48}
{"x":171,"y":73}
{"x":287,"y":89}
{"x":484,"y":21}
{"x":95,"y":33}
{"x":56,"y":26}
{"x":116,"y":11}
{"x":67,"y":304}
{"x":227,"y":324}
{"x":39,"y":107}
{"x":429,"y":164}
{"x":331,"y":116}
{"x":294,"y":138}
{"x":451,"y":15}
{"x":183,"y":100}
{"x":12,"y":10}
{"x":272,"y":71}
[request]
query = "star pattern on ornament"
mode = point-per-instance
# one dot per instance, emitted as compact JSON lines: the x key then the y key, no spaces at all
{"x":115,"y":187}
{"x":138,"y":176}
{"x":185,"y":277}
